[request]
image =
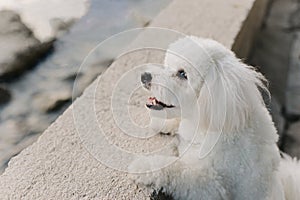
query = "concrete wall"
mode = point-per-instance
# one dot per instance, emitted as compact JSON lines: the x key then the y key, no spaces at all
{"x":58,"y":166}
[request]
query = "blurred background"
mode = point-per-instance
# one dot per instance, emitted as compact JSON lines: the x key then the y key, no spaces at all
{"x":43,"y":44}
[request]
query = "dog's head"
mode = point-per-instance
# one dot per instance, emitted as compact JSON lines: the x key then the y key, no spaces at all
{"x":202,"y":76}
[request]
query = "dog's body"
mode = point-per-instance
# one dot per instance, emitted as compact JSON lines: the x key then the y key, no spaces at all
{"x":227,"y":140}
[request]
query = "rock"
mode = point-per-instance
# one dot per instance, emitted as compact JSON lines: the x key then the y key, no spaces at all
{"x":271,"y":55}
{"x":293,"y":82}
{"x":51,"y":101}
{"x":292,"y":143}
{"x":10,"y":131}
{"x":37,"y":123}
{"x":20,"y":49}
{"x":293,"y":102}
{"x":72,"y":77}
{"x":60,"y":26}
{"x":5,"y":95}
{"x":295,"y":20}
{"x":278,"y":119}
{"x":279,"y":14}
{"x":294,"y":132}
{"x":38,"y":15}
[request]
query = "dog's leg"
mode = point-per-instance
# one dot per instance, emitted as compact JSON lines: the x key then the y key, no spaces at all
{"x":178,"y":178}
{"x":149,"y":170}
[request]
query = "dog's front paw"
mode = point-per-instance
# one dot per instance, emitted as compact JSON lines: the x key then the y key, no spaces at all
{"x":150,"y":171}
{"x":141,"y":171}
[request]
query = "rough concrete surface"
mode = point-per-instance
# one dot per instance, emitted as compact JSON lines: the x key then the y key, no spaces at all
{"x":58,"y":166}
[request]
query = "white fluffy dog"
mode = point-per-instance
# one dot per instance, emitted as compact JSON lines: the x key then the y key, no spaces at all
{"x":227,"y":140}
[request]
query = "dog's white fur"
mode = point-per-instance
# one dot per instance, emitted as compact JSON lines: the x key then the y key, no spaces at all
{"x":221,"y":105}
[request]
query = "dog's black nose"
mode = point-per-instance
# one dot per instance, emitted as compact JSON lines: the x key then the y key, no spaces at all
{"x":146,"y":78}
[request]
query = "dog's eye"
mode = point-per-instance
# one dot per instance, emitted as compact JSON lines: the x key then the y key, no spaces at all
{"x":181,"y":74}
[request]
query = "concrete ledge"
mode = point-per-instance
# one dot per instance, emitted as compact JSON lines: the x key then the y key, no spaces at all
{"x":57,"y":166}
{"x":245,"y":39}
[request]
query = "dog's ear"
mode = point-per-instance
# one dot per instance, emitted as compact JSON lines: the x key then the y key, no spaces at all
{"x":230,"y":90}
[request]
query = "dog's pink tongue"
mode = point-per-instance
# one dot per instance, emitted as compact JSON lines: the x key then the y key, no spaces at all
{"x":151,"y":101}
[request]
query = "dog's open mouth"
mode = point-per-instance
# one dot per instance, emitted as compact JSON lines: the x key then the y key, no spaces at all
{"x":154,"y":104}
